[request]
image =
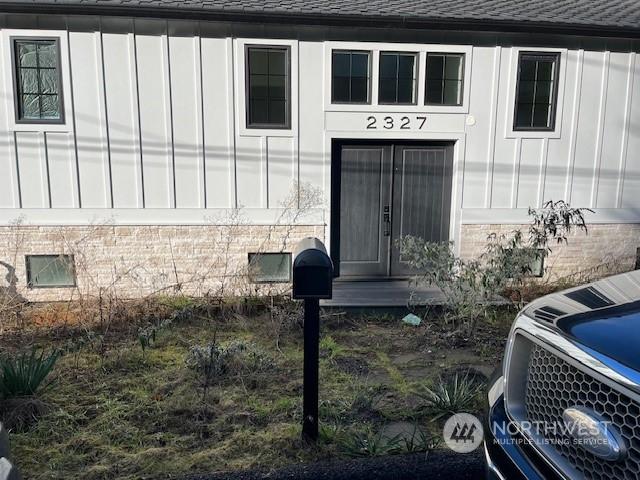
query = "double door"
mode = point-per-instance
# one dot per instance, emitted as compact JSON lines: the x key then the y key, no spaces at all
{"x":388,"y":191}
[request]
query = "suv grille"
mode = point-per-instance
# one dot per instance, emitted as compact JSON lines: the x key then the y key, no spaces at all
{"x":554,"y":385}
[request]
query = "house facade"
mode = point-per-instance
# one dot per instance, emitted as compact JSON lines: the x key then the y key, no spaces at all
{"x":147,"y":147}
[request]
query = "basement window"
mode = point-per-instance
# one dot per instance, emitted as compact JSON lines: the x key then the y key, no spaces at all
{"x":50,"y":271}
{"x":537,"y":265}
{"x":270,"y":267}
{"x":37,"y":80}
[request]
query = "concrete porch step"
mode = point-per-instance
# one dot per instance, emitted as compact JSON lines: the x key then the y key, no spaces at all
{"x":380,"y":294}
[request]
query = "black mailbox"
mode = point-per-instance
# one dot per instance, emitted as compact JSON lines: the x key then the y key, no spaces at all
{"x":312,"y":270}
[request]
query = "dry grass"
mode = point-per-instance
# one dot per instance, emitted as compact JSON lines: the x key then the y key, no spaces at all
{"x":116,"y":411}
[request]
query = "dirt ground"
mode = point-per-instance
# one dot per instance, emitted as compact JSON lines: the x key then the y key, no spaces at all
{"x":118,"y":410}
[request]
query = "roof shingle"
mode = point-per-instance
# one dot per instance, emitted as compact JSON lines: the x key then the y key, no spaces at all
{"x":598,"y":14}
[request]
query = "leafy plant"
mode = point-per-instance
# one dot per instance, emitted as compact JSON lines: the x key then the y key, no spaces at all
{"x":554,"y":222}
{"x":469,"y":286}
{"x":368,"y":443}
{"x":460,"y":281}
{"x":24,"y":375}
{"x":456,"y":394}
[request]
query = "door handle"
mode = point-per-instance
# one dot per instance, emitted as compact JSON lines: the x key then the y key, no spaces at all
{"x":386,"y":218}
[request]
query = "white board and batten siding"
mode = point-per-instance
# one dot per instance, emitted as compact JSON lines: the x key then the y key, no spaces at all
{"x":155,"y":132}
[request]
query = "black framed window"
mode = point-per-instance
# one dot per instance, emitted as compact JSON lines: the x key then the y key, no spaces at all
{"x":268,"y":87}
{"x":445,"y":76}
{"x":37,"y":80}
{"x":536,"y":91}
{"x":397,"y":83}
{"x":350,"y":74}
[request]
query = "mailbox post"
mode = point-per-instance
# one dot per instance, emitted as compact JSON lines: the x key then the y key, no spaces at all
{"x":312,"y":281}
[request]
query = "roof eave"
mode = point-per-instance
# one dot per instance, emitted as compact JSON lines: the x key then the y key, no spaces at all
{"x":490,"y":25}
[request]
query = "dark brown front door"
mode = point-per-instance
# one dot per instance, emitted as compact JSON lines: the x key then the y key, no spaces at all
{"x":389,"y":191}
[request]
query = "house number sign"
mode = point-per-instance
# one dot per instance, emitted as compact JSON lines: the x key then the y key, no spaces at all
{"x":393,"y":122}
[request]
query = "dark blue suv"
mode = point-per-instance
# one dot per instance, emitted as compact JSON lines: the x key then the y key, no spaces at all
{"x":566,"y":402}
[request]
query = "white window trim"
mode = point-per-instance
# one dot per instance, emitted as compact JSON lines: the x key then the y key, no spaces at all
{"x":421,"y":51}
{"x":6,"y":54}
{"x":240,"y":88}
{"x":511,"y":94}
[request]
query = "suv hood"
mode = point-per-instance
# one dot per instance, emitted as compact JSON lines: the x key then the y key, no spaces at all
{"x":603,"y":316}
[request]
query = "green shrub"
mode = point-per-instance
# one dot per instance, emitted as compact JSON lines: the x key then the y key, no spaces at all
{"x":24,"y":374}
{"x":456,"y":394}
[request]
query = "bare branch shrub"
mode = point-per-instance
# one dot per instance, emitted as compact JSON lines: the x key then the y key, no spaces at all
{"x":127,"y":288}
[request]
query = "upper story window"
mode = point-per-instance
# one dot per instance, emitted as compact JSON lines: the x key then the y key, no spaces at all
{"x":268,"y":87}
{"x":350,"y":73}
{"x":37,"y":81}
{"x":445,"y":75}
{"x":397,"y":83}
{"x":536,"y":91}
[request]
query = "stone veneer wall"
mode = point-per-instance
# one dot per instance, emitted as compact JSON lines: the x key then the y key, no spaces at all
{"x":136,"y":261}
{"x":606,"y":249}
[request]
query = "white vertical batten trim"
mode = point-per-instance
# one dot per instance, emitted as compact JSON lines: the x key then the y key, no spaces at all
{"x":542,"y":174}
{"x":295,"y":146}
{"x":233,"y":127}
{"x":627,"y":125}
{"x":168,"y":109}
{"x":577,"y":88}
{"x":44,"y":155}
{"x":515,"y":178}
{"x":203,"y":138}
{"x":16,"y":162}
{"x":511,"y":85}
{"x":104,"y":116}
{"x":14,"y":181}
{"x":600,"y":135}
{"x":135,"y":115}
{"x":295,"y":152}
{"x":197,"y":62}
{"x":75,"y":168}
{"x":491,"y":148}
{"x":264,"y":171}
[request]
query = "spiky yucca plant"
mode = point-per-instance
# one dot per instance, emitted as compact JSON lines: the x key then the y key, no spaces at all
{"x":454,"y":395}
{"x":24,"y":374}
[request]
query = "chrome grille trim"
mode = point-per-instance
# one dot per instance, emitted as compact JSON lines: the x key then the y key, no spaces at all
{"x":526,"y":333}
{"x":554,"y":385}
